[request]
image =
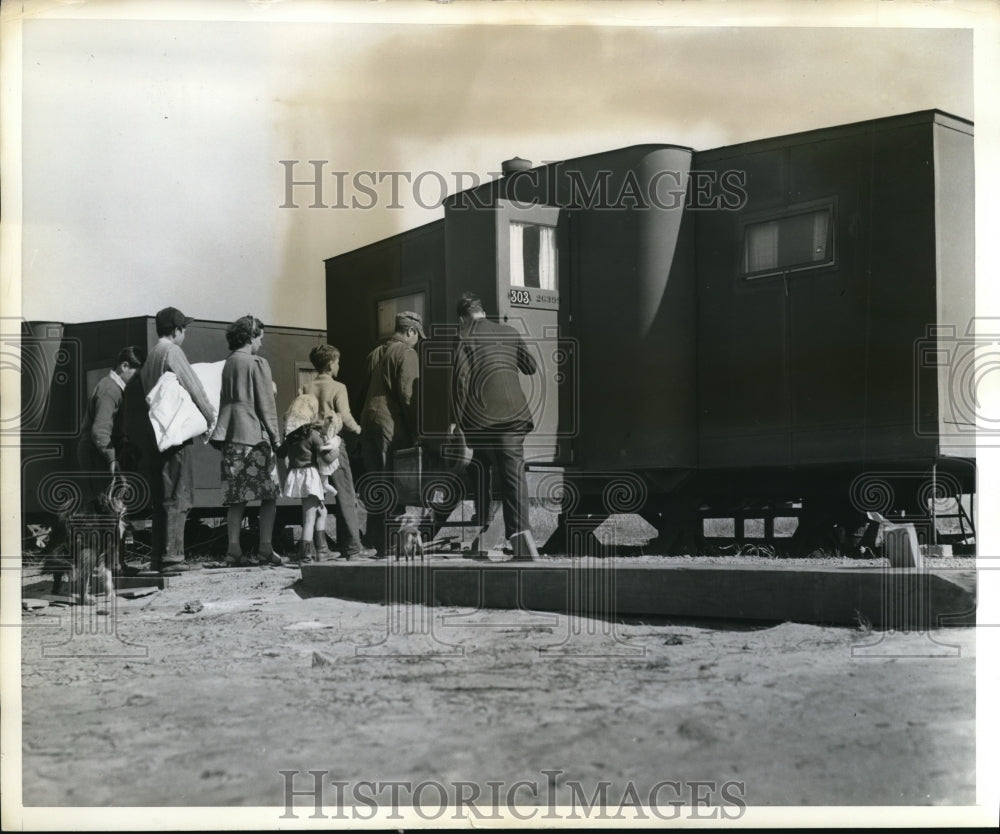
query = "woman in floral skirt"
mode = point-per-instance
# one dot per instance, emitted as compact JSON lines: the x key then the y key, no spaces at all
{"x":249,"y":436}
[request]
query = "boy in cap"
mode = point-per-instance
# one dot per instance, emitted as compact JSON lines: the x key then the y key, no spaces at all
{"x":173,"y":490}
{"x":388,"y":418}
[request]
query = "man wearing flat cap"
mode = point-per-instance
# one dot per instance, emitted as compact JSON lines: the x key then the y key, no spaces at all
{"x":388,"y":418}
{"x":173,"y":490}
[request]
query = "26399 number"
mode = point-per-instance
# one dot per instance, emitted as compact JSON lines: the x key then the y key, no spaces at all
{"x":520,"y":297}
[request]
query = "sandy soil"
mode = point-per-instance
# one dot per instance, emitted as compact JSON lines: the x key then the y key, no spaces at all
{"x":150,"y":705}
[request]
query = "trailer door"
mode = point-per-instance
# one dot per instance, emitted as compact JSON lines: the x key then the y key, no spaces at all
{"x":528,"y":264}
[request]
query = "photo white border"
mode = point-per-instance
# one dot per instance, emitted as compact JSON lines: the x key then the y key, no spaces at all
{"x":982,"y":16}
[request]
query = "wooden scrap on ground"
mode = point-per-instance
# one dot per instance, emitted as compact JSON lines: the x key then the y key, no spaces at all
{"x":134,"y":593}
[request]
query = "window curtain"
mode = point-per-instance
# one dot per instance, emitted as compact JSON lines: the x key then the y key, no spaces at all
{"x":547,"y":258}
{"x":532,"y":256}
{"x":821,"y":231}
{"x":789,"y":241}
{"x":517,"y":254}
{"x":761,"y":250}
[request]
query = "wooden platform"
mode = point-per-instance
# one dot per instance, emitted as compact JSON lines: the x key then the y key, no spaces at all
{"x":890,"y":598}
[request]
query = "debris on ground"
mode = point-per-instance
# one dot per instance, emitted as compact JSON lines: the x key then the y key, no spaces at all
{"x":320,"y":660}
{"x":219,"y":704}
{"x":135,"y":593}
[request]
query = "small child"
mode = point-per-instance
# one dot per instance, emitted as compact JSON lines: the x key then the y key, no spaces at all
{"x":308,"y":449}
{"x":331,"y":425}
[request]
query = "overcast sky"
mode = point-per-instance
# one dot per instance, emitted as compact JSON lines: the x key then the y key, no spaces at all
{"x":152,"y":149}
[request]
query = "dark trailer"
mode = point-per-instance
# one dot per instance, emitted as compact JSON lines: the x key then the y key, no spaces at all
{"x":834,"y":312}
{"x":770,"y":328}
{"x":62,"y":363}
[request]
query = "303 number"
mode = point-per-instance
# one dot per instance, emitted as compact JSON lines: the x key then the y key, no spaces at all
{"x":520,"y":297}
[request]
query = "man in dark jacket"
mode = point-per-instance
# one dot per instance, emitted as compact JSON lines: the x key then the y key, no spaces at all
{"x":388,"y":417}
{"x":490,"y":407}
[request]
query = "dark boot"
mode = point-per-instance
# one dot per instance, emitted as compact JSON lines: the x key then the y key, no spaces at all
{"x":322,"y":546}
{"x":302,"y":554}
{"x":307,"y":552}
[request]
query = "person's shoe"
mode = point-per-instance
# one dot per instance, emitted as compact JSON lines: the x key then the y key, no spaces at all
{"x":360,"y":555}
{"x":322,"y":546}
{"x":523,"y":546}
{"x":234,"y":558}
{"x":168,"y":568}
{"x":267,"y":557}
{"x":305,"y":554}
{"x":476,"y":555}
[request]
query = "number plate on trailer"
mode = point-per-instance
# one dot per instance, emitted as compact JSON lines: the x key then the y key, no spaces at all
{"x":524,"y":297}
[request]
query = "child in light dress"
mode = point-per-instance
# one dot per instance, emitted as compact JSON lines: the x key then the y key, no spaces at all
{"x":311,"y":451}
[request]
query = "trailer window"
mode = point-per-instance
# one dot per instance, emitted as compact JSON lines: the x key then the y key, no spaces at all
{"x":797,"y":240}
{"x":389,"y":307}
{"x":532,"y":256}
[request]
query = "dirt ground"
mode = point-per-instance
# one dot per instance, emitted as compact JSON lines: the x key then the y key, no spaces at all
{"x":152,"y":704}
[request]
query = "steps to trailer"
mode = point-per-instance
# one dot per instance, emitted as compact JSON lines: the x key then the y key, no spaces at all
{"x":897,"y":599}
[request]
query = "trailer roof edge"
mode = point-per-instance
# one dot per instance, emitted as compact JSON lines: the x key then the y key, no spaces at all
{"x":424,"y":228}
{"x":642,"y":147}
{"x":831,"y":131}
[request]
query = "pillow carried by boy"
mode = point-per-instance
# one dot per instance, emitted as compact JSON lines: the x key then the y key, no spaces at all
{"x":172,"y":412}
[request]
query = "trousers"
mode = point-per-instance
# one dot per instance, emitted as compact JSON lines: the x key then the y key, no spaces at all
{"x":346,"y":508}
{"x":498,"y":458}
{"x":173,"y":497}
{"x":377,"y":450}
